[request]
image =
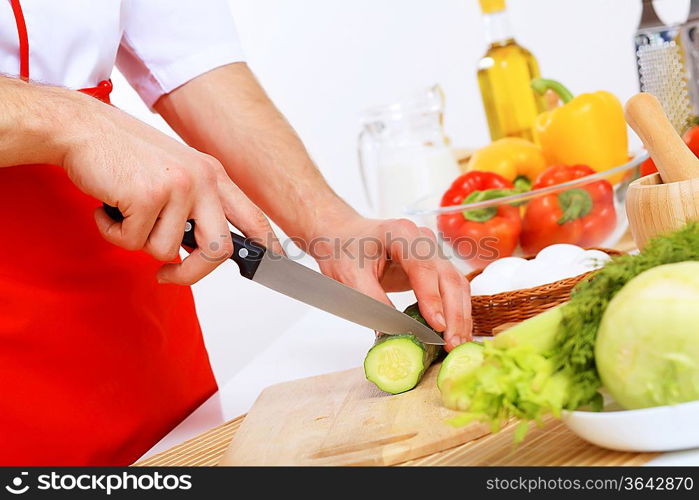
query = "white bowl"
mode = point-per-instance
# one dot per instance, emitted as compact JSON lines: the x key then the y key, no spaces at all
{"x":661,"y":428}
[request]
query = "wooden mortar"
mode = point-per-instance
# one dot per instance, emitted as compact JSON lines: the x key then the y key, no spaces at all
{"x":665,"y":201}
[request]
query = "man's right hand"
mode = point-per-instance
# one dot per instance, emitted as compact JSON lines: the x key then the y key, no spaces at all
{"x":158,"y":183}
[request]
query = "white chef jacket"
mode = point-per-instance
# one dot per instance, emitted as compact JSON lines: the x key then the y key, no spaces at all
{"x":157,"y":44}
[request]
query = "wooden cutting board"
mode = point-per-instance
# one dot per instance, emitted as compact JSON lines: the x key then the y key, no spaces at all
{"x":342,"y":419}
{"x":550,"y":444}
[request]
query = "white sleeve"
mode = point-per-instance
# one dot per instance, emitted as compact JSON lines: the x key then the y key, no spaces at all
{"x":166,"y":43}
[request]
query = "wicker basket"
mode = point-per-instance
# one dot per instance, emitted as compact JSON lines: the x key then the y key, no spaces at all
{"x":491,"y":311}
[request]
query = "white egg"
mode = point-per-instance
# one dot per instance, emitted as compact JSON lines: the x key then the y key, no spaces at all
{"x":541,"y":272}
{"x":592,"y":259}
{"x":529,"y":275}
{"x":488,"y":284}
{"x":555,"y":274}
{"x":507,"y":266}
{"x":561,"y":253}
{"x":479,"y":285}
{"x":577,"y":270}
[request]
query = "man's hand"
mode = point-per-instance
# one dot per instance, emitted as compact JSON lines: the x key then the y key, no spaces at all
{"x":156,"y":182}
{"x":379,"y":256}
{"x":226,"y":113}
{"x":159,"y":183}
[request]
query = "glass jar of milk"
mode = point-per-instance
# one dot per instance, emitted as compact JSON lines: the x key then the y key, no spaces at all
{"x":404,"y":154}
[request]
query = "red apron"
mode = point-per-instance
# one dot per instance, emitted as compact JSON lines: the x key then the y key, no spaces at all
{"x":97,"y":360}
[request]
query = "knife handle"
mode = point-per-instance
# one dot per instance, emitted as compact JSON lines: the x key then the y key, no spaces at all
{"x":246,"y":253}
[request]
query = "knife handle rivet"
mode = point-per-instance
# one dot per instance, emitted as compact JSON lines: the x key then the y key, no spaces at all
{"x":243,"y":252}
{"x":187,"y":227}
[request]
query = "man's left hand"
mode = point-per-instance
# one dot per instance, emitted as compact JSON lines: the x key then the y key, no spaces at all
{"x":380,"y":256}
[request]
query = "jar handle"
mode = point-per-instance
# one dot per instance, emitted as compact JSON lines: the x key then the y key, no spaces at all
{"x":437,"y":90}
{"x":363,"y":143}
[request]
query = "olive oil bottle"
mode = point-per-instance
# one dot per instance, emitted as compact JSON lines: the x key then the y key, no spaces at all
{"x":504,"y":76}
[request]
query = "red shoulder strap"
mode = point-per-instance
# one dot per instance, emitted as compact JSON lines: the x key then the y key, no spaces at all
{"x":23,"y":40}
{"x":101,"y":91}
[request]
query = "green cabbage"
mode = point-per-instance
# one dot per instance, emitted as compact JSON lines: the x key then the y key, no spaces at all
{"x":647,"y":349}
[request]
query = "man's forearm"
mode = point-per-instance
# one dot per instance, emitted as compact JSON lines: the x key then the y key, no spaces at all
{"x":35,"y":122}
{"x":227,"y":114}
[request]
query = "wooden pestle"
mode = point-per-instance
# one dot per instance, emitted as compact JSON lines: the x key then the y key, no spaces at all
{"x":674,"y":160}
{"x":665,"y":201}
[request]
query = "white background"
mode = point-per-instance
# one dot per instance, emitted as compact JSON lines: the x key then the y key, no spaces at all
{"x":324,"y":61}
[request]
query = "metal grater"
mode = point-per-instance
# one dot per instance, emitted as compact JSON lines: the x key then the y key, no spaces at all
{"x":661,"y":66}
{"x":689,"y":35}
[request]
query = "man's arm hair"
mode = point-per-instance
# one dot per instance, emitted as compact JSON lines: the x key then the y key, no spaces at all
{"x":227,"y":114}
{"x":37,"y":122}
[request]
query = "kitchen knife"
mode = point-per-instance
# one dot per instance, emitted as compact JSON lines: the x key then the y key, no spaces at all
{"x":299,"y":282}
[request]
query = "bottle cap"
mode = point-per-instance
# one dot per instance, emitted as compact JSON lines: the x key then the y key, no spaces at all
{"x":490,"y":6}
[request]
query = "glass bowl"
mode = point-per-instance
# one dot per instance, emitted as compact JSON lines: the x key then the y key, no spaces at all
{"x":473,"y":252}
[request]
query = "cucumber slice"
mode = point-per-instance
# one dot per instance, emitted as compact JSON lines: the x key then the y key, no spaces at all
{"x":395,"y":363}
{"x":461,"y":361}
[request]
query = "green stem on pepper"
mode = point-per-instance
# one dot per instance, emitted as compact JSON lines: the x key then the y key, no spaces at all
{"x":522,"y":184}
{"x":487,"y":213}
{"x":575,"y":203}
{"x":541,"y":85}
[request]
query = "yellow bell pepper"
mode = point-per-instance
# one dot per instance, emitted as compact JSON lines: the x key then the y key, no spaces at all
{"x":588,"y":129}
{"x":517,"y":160}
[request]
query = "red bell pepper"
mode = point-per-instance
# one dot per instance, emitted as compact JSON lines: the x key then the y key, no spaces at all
{"x":648,"y":167}
{"x":482,"y":235}
{"x":691,"y":139}
{"x":582,"y":216}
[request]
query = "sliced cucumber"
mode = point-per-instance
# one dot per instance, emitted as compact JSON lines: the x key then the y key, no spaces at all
{"x":463,"y":360}
{"x":396,"y":363}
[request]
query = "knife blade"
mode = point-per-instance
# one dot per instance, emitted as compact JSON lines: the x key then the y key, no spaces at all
{"x":283,"y":275}
{"x":306,"y":285}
